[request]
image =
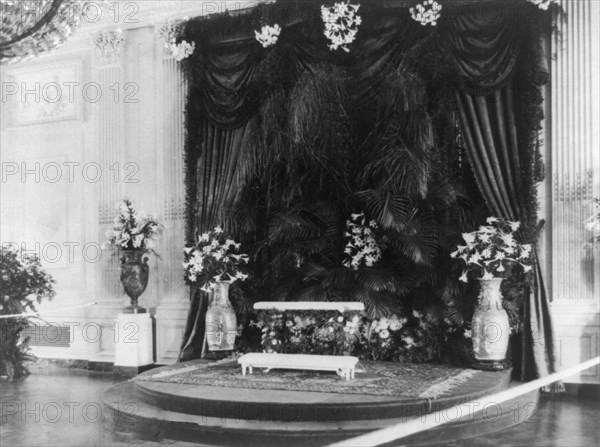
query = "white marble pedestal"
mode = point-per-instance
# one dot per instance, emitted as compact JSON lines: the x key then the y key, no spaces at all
{"x":134,"y":347}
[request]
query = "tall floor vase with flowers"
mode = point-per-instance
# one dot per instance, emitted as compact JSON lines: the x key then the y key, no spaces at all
{"x":131,"y":237}
{"x":487,"y":255}
{"x":212,"y":265}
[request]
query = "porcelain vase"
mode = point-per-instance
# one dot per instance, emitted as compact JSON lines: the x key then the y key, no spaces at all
{"x":490,"y":326}
{"x":221,"y":322}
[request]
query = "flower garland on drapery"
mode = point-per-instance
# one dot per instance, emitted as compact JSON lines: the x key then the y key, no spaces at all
{"x":426,"y":13}
{"x":341,"y":24}
{"x":268,"y":35}
{"x":543,"y":4}
{"x":340,"y":20}
{"x":168,"y":32}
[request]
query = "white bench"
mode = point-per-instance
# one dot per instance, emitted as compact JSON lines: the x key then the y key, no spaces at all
{"x":343,"y":365}
{"x":340,"y":306}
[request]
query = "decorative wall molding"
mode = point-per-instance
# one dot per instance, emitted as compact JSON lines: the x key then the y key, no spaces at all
{"x":579,"y":186}
{"x":42,"y":94}
{"x":109,"y":44}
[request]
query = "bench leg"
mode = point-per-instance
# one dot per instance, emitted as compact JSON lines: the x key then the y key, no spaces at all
{"x":250,"y":368}
{"x":243,"y":369}
{"x":352,"y":373}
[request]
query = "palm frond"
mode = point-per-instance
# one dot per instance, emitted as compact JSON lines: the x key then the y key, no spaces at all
{"x":391,"y":211}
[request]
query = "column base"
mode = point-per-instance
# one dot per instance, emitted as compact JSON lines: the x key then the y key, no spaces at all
{"x":131,"y":371}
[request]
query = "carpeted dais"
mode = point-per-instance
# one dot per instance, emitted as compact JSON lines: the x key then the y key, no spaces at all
{"x":374,"y":378}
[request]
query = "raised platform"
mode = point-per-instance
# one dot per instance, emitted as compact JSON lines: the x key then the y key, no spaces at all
{"x":176,"y":402}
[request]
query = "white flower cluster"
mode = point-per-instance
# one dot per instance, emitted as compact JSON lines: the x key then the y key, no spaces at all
{"x":268,"y":35}
{"x":212,"y":260}
{"x":341,"y":24}
{"x":182,"y":50}
{"x":592,"y":223}
{"x":384,"y":326}
{"x":542,"y":4}
{"x":362,"y":248}
{"x":169,"y":32}
{"x":426,"y":13}
{"x":490,"y":247}
{"x":351,"y":325}
{"x":131,"y":229}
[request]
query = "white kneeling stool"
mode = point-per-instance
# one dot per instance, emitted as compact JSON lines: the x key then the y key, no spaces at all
{"x":342,"y":365}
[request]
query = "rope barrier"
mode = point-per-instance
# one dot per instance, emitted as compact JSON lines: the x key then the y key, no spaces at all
{"x":34,"y":314}
{"x":403,"y":429}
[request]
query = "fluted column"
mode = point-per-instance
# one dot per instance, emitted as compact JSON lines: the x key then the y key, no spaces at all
{"x":575,"y":170}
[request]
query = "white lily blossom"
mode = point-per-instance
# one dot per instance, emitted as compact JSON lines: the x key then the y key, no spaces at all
{"x":469,"y":238}
{"x":182,"y":50}
{"x":426,"y":13}
{"x":542,"y":4}
{"x":362,"y":248}
{"x":211,"y":261}
{"x":268,"y":35}
{"x":341,"y":24}
{"x":131,"y":230}
{"x":489,"y":249}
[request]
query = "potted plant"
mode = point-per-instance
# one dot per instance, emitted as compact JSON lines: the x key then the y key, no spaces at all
{"x":488,"y":253}
{"x":212,"y":265}
{"x":132,"y":237}
{"x":592,"y":223}
{"x":23,"y":283}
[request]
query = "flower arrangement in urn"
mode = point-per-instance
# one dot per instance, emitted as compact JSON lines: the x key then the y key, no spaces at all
{"x":489,"y":249}
{"x":132,"y":236}
{"x":132,"y":230}
{"x":487,"y":254}
{"x":212,"y":265}
{"x":214,"y":259}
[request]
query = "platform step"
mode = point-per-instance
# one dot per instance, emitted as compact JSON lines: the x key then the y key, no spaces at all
{"x":285,"y":406}
{"x":128,"y":413}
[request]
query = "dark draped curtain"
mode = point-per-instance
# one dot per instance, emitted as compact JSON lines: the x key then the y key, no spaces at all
{"x":486,"y":53}
{"x":218,"y":118}
{"x":224,"y":96}
{"x":228,"y":79}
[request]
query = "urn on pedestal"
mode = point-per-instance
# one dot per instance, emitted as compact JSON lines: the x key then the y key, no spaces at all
{"x":134,"y":277}
{"x":131,"y":237}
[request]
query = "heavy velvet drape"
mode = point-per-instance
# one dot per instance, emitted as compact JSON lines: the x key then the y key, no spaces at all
{"x":229,"y":74}
{"x":496,"y":147}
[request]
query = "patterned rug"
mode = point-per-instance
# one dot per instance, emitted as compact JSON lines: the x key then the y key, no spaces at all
{"x":374,"y":378}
